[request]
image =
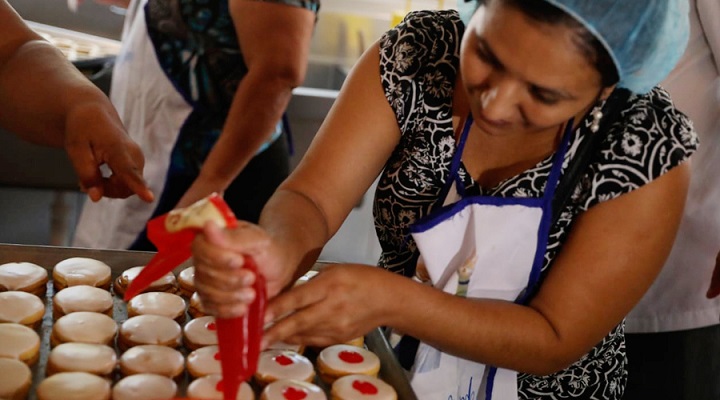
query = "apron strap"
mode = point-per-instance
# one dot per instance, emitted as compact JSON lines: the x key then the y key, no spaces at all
{"x":455,"y":165}
{"x":546,"y":221}
{"x":575,"y":170}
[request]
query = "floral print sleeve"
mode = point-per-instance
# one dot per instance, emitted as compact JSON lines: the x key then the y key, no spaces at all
{"x":418,"y":64}
{"x":651,"y":138}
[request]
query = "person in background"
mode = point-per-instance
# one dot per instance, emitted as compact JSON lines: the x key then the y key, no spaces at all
{"x":44,"y":99}
{"x":202,"y":86}
{"x":479,"y":130}
{"x":674,"y":341}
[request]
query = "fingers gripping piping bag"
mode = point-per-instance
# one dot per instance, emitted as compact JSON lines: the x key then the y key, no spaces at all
{"x":238,"y":338}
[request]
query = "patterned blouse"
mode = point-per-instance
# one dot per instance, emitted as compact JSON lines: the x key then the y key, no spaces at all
{"x":419,"y":60}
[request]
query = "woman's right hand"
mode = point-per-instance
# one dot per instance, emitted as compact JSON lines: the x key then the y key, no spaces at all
{"x":224,"y":286}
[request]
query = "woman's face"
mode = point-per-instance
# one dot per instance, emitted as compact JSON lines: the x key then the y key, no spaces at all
{"x":524,"y":76}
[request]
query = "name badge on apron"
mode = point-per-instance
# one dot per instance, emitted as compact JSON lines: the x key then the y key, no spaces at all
{"x":480,"y":247}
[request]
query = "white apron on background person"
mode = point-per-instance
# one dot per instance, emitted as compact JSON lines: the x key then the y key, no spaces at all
{"x":480,"y":247}
{"x":676,"y":301}
{"x":153,"y":112}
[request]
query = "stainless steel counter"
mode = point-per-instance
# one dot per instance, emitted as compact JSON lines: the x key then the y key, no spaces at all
{"x":48,"y":256}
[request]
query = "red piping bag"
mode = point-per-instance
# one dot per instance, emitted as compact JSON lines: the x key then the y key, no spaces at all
{"x":239,"y":353}
{"x":238,"y":338}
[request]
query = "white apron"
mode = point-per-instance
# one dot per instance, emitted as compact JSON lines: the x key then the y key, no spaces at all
{"x":480,"y":247}
{"x":153,"y":112}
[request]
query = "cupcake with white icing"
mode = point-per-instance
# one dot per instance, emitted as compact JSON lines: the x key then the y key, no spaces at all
{"x":145,"y":387}
{"x":78,"y":271}
{"x":206,"y":388}
{"x":23,"y":277}
{"x":20,"y":343}
{"x":149,"y":329}
{"x":290,"y":390}
{"x":204,"y":361}
{"x":341,"y":359}
{"x":362,"y":387}
{"x":21,"y":308}
{"x":158,"y":303}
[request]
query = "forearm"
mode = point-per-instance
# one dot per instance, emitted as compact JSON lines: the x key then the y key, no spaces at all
{"x":299,"y":226}
{"x":257,"y":107}
{"x":39,"y":89}
{"x":275,"y":41}
{"x":492,"y":332}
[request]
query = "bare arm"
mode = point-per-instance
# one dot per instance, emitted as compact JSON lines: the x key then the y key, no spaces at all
{"x":615,"y":251}
{"x":44,"y":99}
{"x":275,"y":41}
{"x":347,"y":154}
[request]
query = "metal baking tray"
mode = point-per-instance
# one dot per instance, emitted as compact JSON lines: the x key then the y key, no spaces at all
{"x":120,"y":260}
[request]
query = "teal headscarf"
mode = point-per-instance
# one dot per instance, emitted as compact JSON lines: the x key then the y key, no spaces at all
{"x":645,"y":38}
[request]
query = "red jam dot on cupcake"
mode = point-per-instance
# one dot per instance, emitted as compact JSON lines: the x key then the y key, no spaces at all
{"x":364,"y":387}
{"x":217,"y":356}
{"x":351,"y":357}
{"x":211,"y":326}
{"x":219,"y":386}
{"x":283,"y":360}
{"x":294,"y":394}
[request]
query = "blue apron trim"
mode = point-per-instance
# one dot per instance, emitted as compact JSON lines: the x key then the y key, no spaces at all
{"x":455,"y":163}
{"x":546,"y":219}
{"x":441,"y":212}
{"x":490,"y":383}
{"x":439,"y":216}
{"x":543,"y":233}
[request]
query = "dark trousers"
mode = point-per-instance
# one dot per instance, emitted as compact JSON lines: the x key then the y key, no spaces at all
{"x":246,"y":195}
{"x":681,"y":365}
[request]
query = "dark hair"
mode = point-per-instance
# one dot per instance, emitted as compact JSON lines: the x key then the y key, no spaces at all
{"x":587,"y":43}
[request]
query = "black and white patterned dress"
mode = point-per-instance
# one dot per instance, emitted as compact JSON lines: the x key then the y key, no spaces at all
{"x":419,"y":60}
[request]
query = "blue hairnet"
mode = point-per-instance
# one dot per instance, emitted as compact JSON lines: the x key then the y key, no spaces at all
{"x":645,"y":38}
{"x":466,"y":9}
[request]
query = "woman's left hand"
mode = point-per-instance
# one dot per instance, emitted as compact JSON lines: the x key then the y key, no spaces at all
{"x":341,"y":303}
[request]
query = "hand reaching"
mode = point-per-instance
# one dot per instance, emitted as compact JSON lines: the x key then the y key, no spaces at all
{"x":94,"y":136}
{"x":340,"y":303}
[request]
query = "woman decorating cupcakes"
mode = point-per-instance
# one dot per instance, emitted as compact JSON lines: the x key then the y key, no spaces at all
{"x":531,"y":182}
